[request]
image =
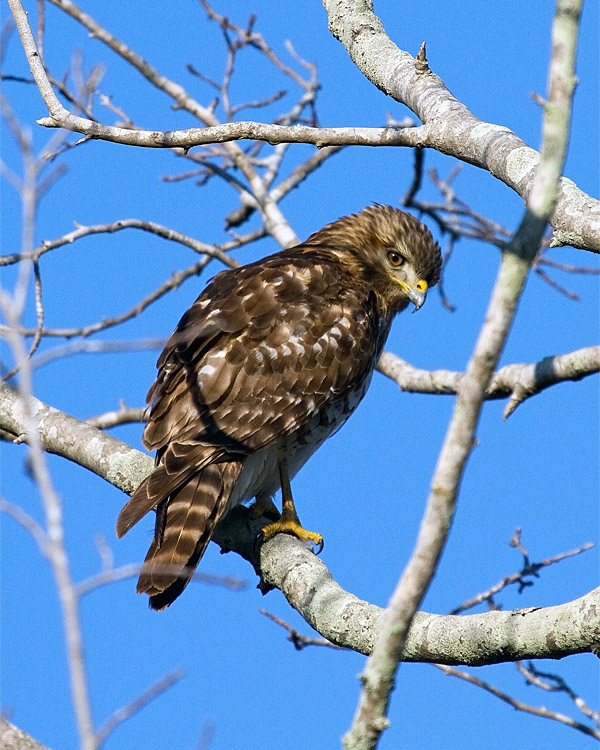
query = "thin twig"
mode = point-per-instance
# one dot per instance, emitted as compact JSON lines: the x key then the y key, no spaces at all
{"x":113,"y":575}
{"x":531,"y":569}
{"x":29,"y":523}
{"x":94,"y":347}
{"x":136,"y":705}
{"x":519,"y":705}
{"x":554,"y":683}
{"x":300,"y":641}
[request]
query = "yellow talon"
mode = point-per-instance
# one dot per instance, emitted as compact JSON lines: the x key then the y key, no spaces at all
{"x":288,"y":522}
{"x":294,"y":527}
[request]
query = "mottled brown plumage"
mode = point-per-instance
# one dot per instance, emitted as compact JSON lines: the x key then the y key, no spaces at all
{"x":270,"y":360}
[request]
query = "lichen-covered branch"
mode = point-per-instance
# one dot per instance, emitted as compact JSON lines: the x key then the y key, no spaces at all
{"x":378,"y":678}
{"x":63,"y":435}
{"x":306,"y":582}
{"x":13,"y":738}
{"x":449,"y":126}
{"x":474,"y":640}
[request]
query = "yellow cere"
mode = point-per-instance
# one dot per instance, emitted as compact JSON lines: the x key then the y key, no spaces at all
{"x":421,"y":285}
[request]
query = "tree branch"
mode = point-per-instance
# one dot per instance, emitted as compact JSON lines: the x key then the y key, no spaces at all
{"x":378,"y":678}
{"x":541,"y":711}
{"x":474,"y":640}
{"x":450,"y":127}
{"x":202,"y":248}
{"x":519,"y":381}
{"x":274,"y":220}
{"x":13,"y":738}
{"x":458,"y":133}
{"x":63,"y":435}
{"x":285,"y":563}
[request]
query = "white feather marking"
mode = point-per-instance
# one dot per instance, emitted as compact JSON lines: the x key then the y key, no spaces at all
{"x":294,"y":341}
{"x":206,"y":370}
{"x":270,"y":352}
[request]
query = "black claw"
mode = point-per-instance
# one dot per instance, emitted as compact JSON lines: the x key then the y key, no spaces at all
{"x":258,"y":540}
{"x":320,"y":547}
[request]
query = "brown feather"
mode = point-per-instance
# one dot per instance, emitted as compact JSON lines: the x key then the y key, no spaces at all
{"x":186,"y":526}
{"x":272,"y":357}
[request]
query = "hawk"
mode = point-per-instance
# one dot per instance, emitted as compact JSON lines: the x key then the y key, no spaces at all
{"x":269,"y":361}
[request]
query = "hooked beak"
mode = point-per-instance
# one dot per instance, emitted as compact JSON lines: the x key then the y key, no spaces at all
{"x":417,"y":295}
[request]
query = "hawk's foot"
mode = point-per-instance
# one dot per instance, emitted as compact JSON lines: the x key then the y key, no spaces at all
{"x":290,"y":526}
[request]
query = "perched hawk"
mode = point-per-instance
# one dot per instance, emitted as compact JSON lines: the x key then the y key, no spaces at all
{"x":269,"y":362}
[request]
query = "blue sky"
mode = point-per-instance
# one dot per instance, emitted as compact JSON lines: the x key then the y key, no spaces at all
{"x":365,"y":489}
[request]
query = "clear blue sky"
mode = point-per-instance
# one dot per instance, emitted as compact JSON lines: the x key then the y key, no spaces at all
{"x":366,"y":488}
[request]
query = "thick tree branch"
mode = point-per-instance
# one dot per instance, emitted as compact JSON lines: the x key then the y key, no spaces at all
{"x":378,"y":677}
{"x":63,"y":435}
{"x":13,"y":738}
{"x":449,"y":126}
{"x":307,"y":584}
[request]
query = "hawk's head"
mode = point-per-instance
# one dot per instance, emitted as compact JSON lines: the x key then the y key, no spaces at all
{"x":390,"y":250}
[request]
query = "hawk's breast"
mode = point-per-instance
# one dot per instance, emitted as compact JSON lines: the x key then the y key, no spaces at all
{"x":260,"y":473}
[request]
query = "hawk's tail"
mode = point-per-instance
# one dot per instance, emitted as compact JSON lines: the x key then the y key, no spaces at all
{"x":185,"y":521}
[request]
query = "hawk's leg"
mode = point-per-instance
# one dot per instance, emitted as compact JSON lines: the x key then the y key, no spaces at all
{"x":288,"y":522}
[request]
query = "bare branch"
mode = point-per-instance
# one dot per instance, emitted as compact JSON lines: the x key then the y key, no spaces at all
{"x":113,"y":575}
{"x":529,"y":569}
{"x":213,"y":251}
{"x":173,"y":282}
{"x":63,"y":435}
{"x":275,"y":222}
{"x":518,"y":256}
{"x":13,"y":738}
{"x":519,"y":705}
{"x":340,"y":617}
{"x":555,"y":684}
{"x":54,"y":546}
{"x":517,"y":381}
{"x":122,"y":415}
{"x":458,"y":133}
{"x":136,"y":705}
{"x":300,"y":641}
{"x":95,"y":347}
{"x":249,"y":36}
{"x":29,"y":523}
{"x":243,"y":130}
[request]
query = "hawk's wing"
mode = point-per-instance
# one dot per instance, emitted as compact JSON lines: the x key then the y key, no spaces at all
{"x":261,"y":351}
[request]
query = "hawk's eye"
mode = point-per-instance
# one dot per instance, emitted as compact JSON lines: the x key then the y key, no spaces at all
{"x":395,"y":259}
